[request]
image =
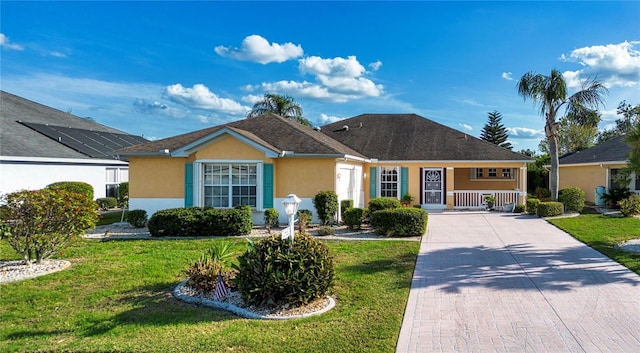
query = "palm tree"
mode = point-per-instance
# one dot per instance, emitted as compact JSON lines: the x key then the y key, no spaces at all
{"x":550,"y":92}
{"x":285,"y":106}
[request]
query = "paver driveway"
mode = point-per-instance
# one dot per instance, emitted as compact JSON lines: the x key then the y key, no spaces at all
{"x":496,"y":282}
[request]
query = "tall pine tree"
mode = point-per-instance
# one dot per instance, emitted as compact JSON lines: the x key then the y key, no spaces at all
{"x":494,"y":132}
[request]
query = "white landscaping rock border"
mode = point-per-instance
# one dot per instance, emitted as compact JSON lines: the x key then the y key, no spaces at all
{"x":13,"y":271}
{"x":243,"y":312}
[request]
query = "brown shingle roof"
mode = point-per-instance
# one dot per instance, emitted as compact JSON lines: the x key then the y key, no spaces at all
{"x":270,"y":131}
{"x":412,"y":137}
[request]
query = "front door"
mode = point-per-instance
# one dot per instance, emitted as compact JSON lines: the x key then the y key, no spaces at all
{"x":432,"y":186}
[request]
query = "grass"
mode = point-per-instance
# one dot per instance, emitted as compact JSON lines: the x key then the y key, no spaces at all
{"x":603,"y":233}
{"x":117,"y":297}
{"x":109,"y":218}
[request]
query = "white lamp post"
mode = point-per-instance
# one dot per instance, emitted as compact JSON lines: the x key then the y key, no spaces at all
{"x":291,"y":204}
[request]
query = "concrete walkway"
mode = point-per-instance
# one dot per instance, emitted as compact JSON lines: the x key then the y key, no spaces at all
{"x":496,"y":282}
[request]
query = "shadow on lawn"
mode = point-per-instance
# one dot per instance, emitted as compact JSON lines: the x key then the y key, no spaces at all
{"x":519,"y":267}
{"x":155,"y":305}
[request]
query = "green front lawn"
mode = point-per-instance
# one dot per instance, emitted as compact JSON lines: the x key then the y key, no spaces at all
{"x":602,"y":233}
{"x":117,"y":297}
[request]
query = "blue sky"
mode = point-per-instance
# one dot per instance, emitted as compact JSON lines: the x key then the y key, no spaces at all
{"x":159,"y":69}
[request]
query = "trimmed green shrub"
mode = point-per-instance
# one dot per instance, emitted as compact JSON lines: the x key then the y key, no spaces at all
{"x":326,"y":203}
{"x":532,"y":205}
{"x":550,"y":208}
{"x":519,"y":208}
{"x":123,"y":193}
{"x":37,"y":224}
{"x":275,"y":272}
{"x":271,"y":216}
{"x":106,"y":203}
{"x":203,"y":274}
{"x":345,"y":205}
{"x":304,"y":219}
{"x":75,"y":186}
{"x":399,"y":222}
{"x":197,"y":221}
{"x":630,"y":207}
{"x":543,"y":194}
{"x":383,"y":203}
{"x":137,"y":218}
{"x":572,"y":198}
{"x":354,"y":217}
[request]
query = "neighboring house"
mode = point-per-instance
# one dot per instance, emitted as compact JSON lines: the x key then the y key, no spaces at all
{"x":259,"y":161}
{"x":40,"y":145}
{"x":596,"y":167}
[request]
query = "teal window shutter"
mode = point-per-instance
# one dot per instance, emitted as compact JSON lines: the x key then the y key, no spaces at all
{"x":404,"y":181}
{"x":373,"y":182}
{"x":267,"y":185}
{"x":188,"y":185}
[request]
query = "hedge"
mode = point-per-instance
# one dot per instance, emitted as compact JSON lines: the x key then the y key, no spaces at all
{"x":532,"y":205}
{"x":383,"y":203}
{"x":551,"y":208}
{"x":572,"y":198}
{"x":106,"y":203}
{"x":353,"y":217}
{"x":196,"y":221}
{"x":403,"y":222}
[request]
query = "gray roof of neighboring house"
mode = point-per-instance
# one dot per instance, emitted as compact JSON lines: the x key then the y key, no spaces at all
{"x":412,"y":137}
{"x":30,"y":129}
{"x":614,"y":150}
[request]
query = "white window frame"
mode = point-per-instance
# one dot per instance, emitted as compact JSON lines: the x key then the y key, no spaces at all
{"x":198,"y":182}
{"x":381,"y":173}
{"x":120,"y":175}
{"x":493,"y":171}
{"x":507,"y":173}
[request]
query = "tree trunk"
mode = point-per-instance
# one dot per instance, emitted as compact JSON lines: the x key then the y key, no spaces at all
{"x":554,"y":173}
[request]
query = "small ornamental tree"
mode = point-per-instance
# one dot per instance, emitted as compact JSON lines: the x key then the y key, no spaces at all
{"x":38,"y":223}
{"x":326,"y":203}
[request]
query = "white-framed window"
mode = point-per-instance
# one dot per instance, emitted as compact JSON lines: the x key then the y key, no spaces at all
{"x":493,"y":172}
{"x":226,"y":185}
{"x":506,"y":173}
{"x":479,"y":173}
{"x":113,"y":178}
{"x":389,"y":182}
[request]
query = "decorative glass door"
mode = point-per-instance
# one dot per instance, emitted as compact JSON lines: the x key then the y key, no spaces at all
{"x":432,"y":185}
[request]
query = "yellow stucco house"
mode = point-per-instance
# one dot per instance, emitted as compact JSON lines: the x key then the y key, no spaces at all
{"x":594,"y":170}
{"x":259,"y":161}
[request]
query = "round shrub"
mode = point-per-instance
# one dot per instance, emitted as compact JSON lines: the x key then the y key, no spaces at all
{"x":550,"y":209}
{"x":344,"y":206}
{"x":572,"y":198}
{"x":42,"y":221}
{"x":630,"y":206}
{"x":275,"y":272}
{"x":201,"y":221}
{"x":326,"y":203}
{"x":532,"y":205}
{"x":75,"y":186}
{"x":401,"y":222}
{"x":106,"y":203}
{"x":383,"y":203}
{"x":519,"y":208}
{"x":137,"y":218}
{"x":271,"y":216}
{"x":354,"y":217}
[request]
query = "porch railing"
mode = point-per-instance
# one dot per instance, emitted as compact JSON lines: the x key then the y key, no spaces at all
{"x":475,"y":198}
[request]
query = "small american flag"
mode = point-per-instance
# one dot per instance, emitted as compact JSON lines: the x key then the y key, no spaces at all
{"x":221,"y":289}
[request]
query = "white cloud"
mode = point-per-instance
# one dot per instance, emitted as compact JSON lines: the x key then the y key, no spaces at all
{"x":470,"y":102}
{"x":58,"y":54}
{"x":507,"y":76}
{"x":326,"y":119}
{"x":337,"y":80}
{"x":157,"y":108}
{"x":612,"y":64}
{"x":524,"y":133}
{"x":200,"y":97}
{"x":252,"y":98}
{"x":6,"y":43}
{"x":466,"y":126}
{"x":257,"y":49}
{"x":376,"y":65}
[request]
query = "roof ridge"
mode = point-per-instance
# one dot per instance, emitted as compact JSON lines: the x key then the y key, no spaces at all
{"x":299,"y":127}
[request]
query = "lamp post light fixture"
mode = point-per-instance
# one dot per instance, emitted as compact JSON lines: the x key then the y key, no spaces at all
{"x":291,"y":203}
